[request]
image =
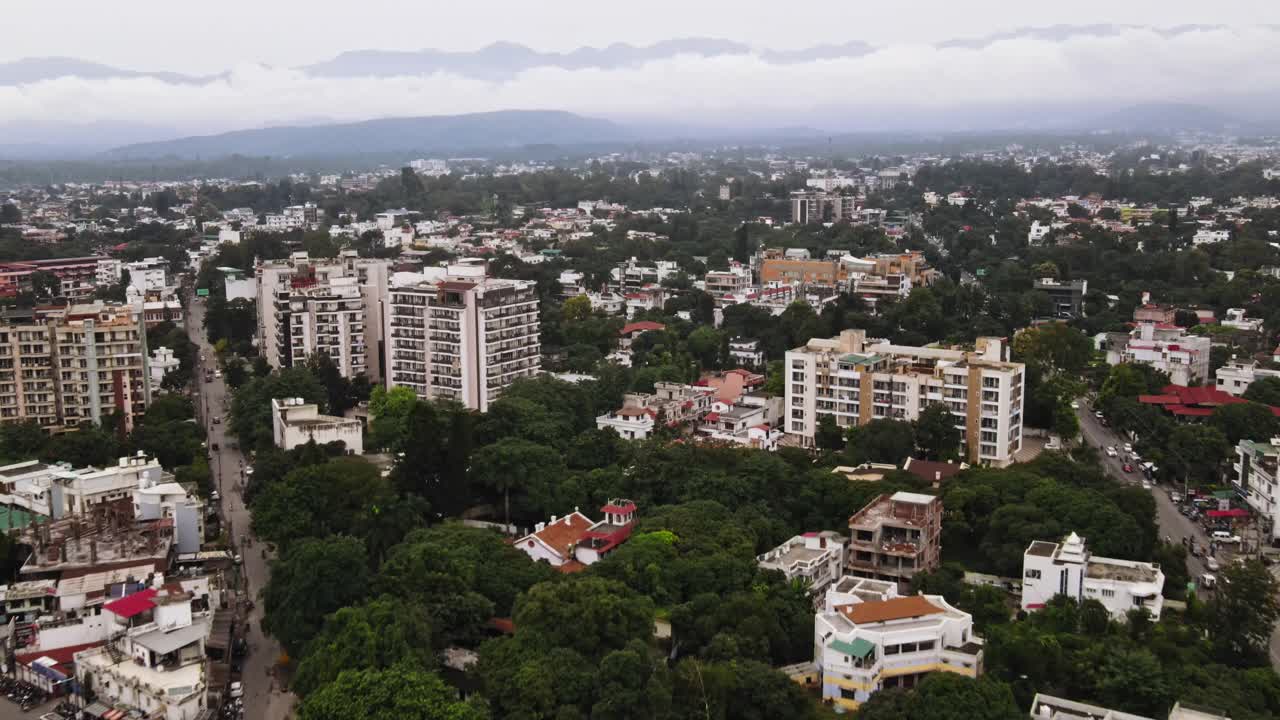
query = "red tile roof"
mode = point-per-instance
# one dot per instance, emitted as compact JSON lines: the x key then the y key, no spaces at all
{"x":130,"y":605}
{"x":886,"y":610}
{"x":564,"y":533}
{"x":642,"y":326}
{"x":931,"y":470}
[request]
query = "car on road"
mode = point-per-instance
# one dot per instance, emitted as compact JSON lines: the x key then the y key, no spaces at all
{"x":1146,"y":485}
{"x":217,"y":373}
{"x":237,"y":690}
{"x":1075,"y":405}
{"x":1212,"y":564}
{"x":1111,"y":451}
{"x":215,"y":447}
{"x":1128,"y":468}
{"x":1097,"y":414}
{"x":1208,"y":582}
{"x":238,"y":559}
{"x":217,"y":419}
{"x":1223,"y":536}
{"x":1128,"y":447}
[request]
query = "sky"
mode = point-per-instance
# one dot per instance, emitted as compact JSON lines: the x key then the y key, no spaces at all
{"x":211,"y":37}
{"x":259,"y":45}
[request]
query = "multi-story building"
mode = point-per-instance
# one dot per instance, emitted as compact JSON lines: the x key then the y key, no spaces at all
{"x":1067,"y":297}
{"x":1048,"y":707}
{"x":777,"y":268}
{"x":1067,"y":568}
{"x":814,"y":206}
{"x":333,"y":306}
{"x":746,"y":352}
{"x":632,"y":277}
{"x":57,"y":491}
{"x":895,"y":536}
{"x":1237,"y":375}
{"x":295,"y":422}
{"x":856,"y":382}
{"x":66,"y":365}
{"x":148,"y":276}
{"x":670,"y":403}
{"x":719,"y":283}
{"x":79,"y":275}
{"x":816,"y":558}
{"x":865,"y":646}
{"x":153,"y":660}
{"x":460,"y":335}
{"x":1256,"y":479}
{"x":1167,"y":348}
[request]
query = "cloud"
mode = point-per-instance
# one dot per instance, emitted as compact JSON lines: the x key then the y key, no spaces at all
{"x":1099,"y":72}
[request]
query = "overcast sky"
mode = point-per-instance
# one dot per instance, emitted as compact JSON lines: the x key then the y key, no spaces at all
{"x":210,"y":37}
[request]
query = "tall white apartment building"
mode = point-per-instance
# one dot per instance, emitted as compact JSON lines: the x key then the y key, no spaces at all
{"x":856,"y":382}
{"x":1067,"y":568}
{"x":462,"y":336}
{"x":330,"y":305}
{"x":1165,"y":347}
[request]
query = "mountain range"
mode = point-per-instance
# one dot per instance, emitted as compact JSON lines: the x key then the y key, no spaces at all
{"x":432,"y":134}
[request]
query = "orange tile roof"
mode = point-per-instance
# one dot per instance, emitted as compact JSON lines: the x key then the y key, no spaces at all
{"x":885,"y":610}
{"x":564,"y":533}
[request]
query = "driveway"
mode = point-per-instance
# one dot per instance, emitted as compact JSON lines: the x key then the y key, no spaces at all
{"x":262,"y":697}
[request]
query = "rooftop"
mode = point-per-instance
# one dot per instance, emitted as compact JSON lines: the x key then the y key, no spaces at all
{"x":1121,"y":570}
{"x":889,"y":610}
{"x":1042,"y":548}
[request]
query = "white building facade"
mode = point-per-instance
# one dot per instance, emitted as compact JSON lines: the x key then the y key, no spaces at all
{"x":1166,"y":348}
{"x":1067,"y":568}
{"x":462,"y":336}
{"x":856,"y":382}
{"x":295,"y":422}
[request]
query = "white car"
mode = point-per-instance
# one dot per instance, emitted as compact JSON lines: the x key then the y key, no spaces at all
{"x":1111,"y":451}
{"x":237,"y":690}
{"x":1075,"y":405}
{"x":1223,"y":536}
{"x":1146,"y":485}
{"x":1128,"y":448}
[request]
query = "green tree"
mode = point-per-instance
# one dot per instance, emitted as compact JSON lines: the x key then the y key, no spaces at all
{"x":589,"y":615}
{"x":1245,"y":420}
{"x":1243,"y":613}
{"x":1054,"y":346}
{"x":936,"y":433}
{"x":380,"y":633}
{"x":512,"y":464}
{"x":882,"y":441}
{"x":389,"y":412}
{"x":1066,"y":424}
{"x":945,"y":696}
{"x":396,"y":693}
{"x":45,"y":285}
{"x":1264,"y":390}
{"x":576,"y":309}
{"x":828,"y":435}
{"x":312,"y":579}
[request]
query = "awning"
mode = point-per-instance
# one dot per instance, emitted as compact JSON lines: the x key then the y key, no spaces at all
{"x":1232,"y":513}
{"x":130,"y":605}
{"x":859,"y":648}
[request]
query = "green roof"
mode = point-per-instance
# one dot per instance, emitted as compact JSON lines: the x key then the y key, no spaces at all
{"x":858,"y":648}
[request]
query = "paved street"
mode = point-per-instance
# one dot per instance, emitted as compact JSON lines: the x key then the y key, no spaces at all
{"x":262,"y":700}
{"x":1172,"y":523}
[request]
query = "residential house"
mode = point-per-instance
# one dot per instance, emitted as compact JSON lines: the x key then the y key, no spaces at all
{"x":295,"y":422}
{"x":895,"y":536}
{"x":575,"y":541}
{"x":1067,"y":568}
{"x":816,"y":558}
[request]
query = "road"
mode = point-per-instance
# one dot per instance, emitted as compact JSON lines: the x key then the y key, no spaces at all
{"x":1171,"y":522}
{"x":262,"y":699}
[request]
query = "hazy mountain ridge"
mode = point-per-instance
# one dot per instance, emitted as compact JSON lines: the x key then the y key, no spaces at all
{"x":437,"y":133}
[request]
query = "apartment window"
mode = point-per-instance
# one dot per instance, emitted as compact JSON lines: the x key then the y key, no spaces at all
{"x":990,"y":382}
{"x":1108,"y":593}
{"x":1032,"y":574}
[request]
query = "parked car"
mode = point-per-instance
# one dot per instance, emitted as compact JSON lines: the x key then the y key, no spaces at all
{"x":1212,"y":564}
{"x":1146,"y":485}
{"x":1075,"y":405}
{"x":1128,"y":468}
{"x":1208,"y":582}
{"x":217,"y":419}
{"x":237,"y":690}
{"x":1111,"y":451}
{"x":1224,"y":536}
{"x":1097,"y":414}
{"x":1128,"y":447}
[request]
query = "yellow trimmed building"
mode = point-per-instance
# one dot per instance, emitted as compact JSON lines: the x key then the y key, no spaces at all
{"x":862,"y":647}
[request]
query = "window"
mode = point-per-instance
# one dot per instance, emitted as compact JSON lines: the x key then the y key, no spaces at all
{"x":892,"y":649}
{"x":1032,"y":574}
{"x":1108,"y":593}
